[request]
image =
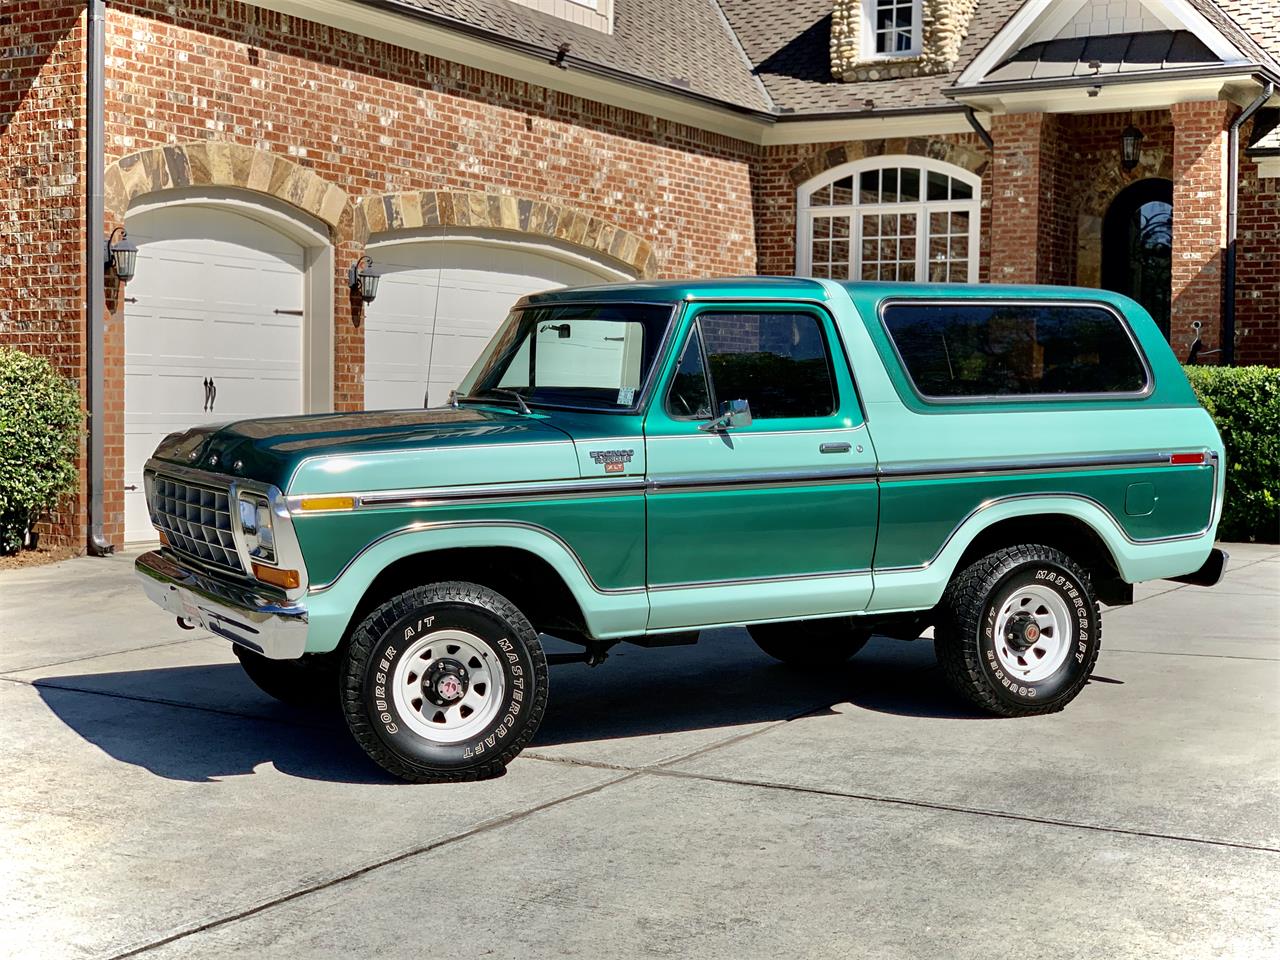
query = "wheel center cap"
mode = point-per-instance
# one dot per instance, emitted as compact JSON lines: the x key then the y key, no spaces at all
{"x":445,"y":683}
{"x":449,"y":687}
{"x":1022,"y":633}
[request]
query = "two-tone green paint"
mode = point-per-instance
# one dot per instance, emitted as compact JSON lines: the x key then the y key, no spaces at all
{"x":756,"y":523}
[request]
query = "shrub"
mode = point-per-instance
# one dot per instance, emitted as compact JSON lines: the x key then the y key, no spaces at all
{"x":40,"y":422}
{"x":1245,"y":404}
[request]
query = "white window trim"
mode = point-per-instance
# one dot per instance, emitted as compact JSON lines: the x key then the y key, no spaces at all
{"x":805,"y":212}
{"x":868,"y":33}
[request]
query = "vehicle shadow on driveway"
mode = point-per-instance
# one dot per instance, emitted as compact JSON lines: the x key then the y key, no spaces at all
{"x":205,"y":722}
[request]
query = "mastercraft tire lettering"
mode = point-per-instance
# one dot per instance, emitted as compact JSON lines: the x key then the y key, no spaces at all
{"x":445,"y":682}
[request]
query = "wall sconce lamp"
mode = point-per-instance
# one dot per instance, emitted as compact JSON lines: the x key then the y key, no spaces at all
{"x":363,"y":277}
{"x":121,"y":255}
{"x":1130,"y":147}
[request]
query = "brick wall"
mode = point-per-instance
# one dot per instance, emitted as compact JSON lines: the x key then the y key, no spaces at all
{"x":1257,"y":267}
{"x":1022,"y":201}
{"x":1199,"y":216}
{"x":41,"y":199}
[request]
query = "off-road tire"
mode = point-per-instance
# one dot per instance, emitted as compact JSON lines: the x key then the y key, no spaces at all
{"x":964,"y":635}
{"x":310,"y":681}
{"x":391,"y":632}
{"x":810,"y":643}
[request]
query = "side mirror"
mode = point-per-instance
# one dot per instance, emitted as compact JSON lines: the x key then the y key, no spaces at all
{"x":733,"y":413}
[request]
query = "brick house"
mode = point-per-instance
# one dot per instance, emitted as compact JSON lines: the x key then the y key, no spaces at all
{"x":476,"y":150}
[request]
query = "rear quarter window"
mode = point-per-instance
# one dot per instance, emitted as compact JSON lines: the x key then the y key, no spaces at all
{"x":961,"y":350}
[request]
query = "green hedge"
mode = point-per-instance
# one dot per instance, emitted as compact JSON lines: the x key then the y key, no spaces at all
{"x":1245,"y":403}
{"x":40,"y":422}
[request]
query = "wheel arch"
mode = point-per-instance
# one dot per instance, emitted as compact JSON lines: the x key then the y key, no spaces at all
{"x":1067,"y":522}
{"x":533,"y":569}
{"x":1071,"y":534}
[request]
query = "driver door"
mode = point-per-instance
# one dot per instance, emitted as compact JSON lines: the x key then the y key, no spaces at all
{"x":775,"y":519}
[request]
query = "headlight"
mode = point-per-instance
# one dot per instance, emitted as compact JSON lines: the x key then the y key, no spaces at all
{"x":255,"y":524}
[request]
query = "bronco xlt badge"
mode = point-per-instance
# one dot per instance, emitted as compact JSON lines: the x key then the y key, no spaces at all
{"x":612,"y":460}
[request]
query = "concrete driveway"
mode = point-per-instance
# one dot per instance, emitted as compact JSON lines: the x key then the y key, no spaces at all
{"x":693,"y":801}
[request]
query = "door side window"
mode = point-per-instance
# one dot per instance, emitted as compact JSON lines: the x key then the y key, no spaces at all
{"x":690,"y":396}
{"x":778,"y":362}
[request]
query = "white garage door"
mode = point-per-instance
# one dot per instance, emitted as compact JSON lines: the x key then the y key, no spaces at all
{"x":219,"y":296}
{"x":438,"y":304}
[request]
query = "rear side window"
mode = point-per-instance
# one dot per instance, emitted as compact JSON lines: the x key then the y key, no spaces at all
{"x":778,"y":362}
{"x":957,"y":350}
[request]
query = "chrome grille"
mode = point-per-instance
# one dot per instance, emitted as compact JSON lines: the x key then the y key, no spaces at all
{"x":197,"y":519}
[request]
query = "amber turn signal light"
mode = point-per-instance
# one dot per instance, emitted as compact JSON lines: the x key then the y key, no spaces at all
{"x":280,"y":578}
{"x":327,"y":503}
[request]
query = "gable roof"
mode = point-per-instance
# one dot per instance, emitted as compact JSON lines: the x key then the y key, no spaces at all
{"x":684,"y":45}
{"x":772,"y":58}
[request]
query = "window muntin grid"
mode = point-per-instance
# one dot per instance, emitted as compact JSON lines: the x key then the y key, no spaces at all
{"x":891,"y":28}
{"x":899,"y":218}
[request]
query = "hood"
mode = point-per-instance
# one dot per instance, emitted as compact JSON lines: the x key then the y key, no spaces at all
{"x":379,"y":450}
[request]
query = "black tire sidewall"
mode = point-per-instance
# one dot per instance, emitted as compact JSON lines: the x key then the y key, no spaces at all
{"x":1064,"y":682}
{"x":511,"y":653}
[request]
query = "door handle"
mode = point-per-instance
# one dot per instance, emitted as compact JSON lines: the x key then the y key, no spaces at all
{"x":213,"y":393}
{"x":834,"y":447}
{"x":208,"y":385}
{"x":129,"y":488}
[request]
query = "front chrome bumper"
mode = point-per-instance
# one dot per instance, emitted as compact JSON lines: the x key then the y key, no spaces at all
{"x":271,"y":626}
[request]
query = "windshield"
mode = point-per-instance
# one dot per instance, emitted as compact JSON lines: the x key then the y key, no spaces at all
{"x":589,"y":355}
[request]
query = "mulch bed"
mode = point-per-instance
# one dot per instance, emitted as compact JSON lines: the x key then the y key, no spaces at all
{"x":38,"y":556}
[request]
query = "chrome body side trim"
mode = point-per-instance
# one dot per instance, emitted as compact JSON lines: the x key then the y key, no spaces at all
{"x":478,"y":493}
{"x":260,"y":619}
{"x":926,"y":470}
{"x":892,"y":301}
{"x":724,"y":480}
{"x":750,"y":581}
{"x":710,"y":482}
{"x":426,"y":525}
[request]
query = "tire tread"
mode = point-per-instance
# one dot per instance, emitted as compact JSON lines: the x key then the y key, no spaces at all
{"x":371,"y":630}
{"x":962,"y":607}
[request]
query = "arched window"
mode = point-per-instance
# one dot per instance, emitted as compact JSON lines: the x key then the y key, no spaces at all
{"x":890,"y":218}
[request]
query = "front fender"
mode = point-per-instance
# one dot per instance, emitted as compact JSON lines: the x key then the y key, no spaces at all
{"x":608,"y":613}
{"x":921,"y":587}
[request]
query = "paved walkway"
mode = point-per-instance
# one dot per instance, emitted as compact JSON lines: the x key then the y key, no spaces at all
{"x":687,"y":802}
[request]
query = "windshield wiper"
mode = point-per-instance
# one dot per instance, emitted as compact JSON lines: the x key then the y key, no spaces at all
{"x":524,"y":407}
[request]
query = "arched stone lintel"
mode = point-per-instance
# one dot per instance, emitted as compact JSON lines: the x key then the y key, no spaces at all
{"x":1092,"y":205}
{"x":417,"y":209}
{"x":200,"y":164}
{"x":962,"y":155}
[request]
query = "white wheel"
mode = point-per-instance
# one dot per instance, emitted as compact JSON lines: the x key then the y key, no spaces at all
{"x":1032,"y":633}
{"x":447,"y":687}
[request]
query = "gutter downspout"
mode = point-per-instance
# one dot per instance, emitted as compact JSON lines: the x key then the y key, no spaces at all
{"x":983,"y":133}
{"x":95,"y":269}
{"x":1233,"y":210}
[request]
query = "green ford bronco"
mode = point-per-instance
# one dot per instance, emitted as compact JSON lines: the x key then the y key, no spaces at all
{"x":814,"y":460}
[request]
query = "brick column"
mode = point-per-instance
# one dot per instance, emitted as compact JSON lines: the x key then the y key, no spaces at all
{"x":1199,"y":219}
{"x":1022,"y":199}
